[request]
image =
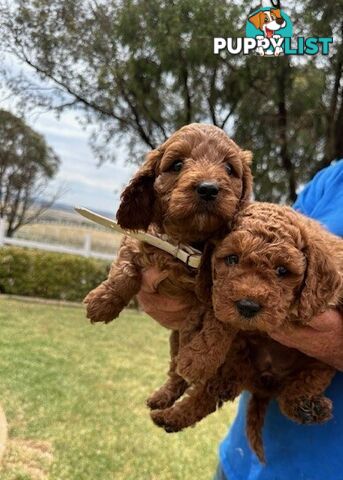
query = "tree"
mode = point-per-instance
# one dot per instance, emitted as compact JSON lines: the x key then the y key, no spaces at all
{"x":139,"y":70}
{"x":324,"y":22}
{"x":26,"y":165}
{"x":296,"y":125}
{"x":127,"y":65}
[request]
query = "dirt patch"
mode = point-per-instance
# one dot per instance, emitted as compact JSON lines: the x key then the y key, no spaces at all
{"x":3,"y":432}
{"x":30,"y":459}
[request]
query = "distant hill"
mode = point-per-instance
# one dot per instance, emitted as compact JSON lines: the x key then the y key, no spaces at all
{"x":70,"y":208}
{"x":61,"y":225}
{"x":65,"y":213}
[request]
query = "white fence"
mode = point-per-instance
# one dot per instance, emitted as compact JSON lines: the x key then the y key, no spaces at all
{"x":85,"y":251}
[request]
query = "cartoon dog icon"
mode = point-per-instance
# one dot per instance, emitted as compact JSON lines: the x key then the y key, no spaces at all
{"x":269,"y":22}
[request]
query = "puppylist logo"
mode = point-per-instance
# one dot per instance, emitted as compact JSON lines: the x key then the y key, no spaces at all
{"x":269,"y":32}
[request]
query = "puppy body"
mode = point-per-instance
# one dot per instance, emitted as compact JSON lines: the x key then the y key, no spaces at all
{"x":256,"y":363}
{"x":276,"y":269}
{"x":190,"y":188}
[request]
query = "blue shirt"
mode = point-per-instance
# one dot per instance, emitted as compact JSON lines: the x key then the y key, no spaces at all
{"x":296,"y":452}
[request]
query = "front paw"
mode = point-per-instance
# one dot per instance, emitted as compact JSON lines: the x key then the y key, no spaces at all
{"x":311,"y":410}
{"x":161,"y":400}
{"x":163,"y":419}
{"x":229,"y":391}
{"x":102,"y":306}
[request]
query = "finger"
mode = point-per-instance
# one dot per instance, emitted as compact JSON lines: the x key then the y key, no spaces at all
{"x":151,"y":278}
{"x":296,"y":337}
{"x":151,"y":274}
{"x":329,"y":320}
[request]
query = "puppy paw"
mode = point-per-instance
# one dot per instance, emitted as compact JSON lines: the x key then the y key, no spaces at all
{"x":163,"y":419}
{"x":161,"y":400}
{"x":310,"y":410}
{"x":102,"y":306}
{"x":228,"y":392}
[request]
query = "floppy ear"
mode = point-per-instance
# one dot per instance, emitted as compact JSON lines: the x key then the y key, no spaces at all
{"x":256,"y":20}
{"x":247,"y":178}
{"x":203,"y":287}
{"x":137,"y":200}
{"x":277,"y":12}
{"x":322,"y":282}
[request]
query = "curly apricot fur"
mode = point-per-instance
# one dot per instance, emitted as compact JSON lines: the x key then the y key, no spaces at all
{"x":263,"y":238}
{"x":163,"y":201}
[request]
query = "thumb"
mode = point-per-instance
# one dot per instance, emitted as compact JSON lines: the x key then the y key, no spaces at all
{"x":295,"y":337}
{"x":327,"y":321}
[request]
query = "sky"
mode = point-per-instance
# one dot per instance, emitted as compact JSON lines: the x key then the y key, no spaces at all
{"x":81,"y":180}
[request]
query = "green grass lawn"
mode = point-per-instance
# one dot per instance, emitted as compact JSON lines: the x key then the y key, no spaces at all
{"x":74,"y":395}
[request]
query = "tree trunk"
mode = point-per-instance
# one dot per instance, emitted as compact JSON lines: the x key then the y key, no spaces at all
{"x":283,"y":81}
{"x":334,"y":131}
{"x":338,"y":148}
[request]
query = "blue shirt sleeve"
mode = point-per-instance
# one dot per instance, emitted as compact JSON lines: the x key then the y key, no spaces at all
{"x":322,"y":198}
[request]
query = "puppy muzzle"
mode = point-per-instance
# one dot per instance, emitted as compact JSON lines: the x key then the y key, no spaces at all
{"x":248,"y":308}
{"x":207,"y":190}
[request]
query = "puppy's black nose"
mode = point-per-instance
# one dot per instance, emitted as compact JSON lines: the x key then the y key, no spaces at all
{"x":247,"y":307}
{"x":207,"y":190}
{"x":280,"y":21}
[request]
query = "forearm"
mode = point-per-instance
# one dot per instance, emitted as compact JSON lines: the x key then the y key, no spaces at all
{"x":321,"y":339}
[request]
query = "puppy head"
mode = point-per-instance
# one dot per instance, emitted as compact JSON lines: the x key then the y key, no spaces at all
{"x":272,"y":268}
{"x":191,"y":186}
{"x":268,"y":21}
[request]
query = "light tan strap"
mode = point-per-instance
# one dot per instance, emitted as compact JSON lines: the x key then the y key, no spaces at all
{"x":187,"y":254}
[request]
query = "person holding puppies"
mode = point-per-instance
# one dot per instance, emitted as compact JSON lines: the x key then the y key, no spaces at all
{"x":294,"y":450}
{"x":170,"y":195}
{"x":276,"y":269}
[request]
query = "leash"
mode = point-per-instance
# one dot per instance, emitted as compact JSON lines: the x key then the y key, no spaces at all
{"x":188,"y":255}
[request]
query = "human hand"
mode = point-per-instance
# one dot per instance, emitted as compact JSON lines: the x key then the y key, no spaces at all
{"x":168,"y":311}
{"x":322,"y":338}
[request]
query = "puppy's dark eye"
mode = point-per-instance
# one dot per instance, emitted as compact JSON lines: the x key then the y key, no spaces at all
{"x":282,"y":271}
{"x":229,"y":168}
{"x":176,"y":166}
{"x":231,"y":259}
